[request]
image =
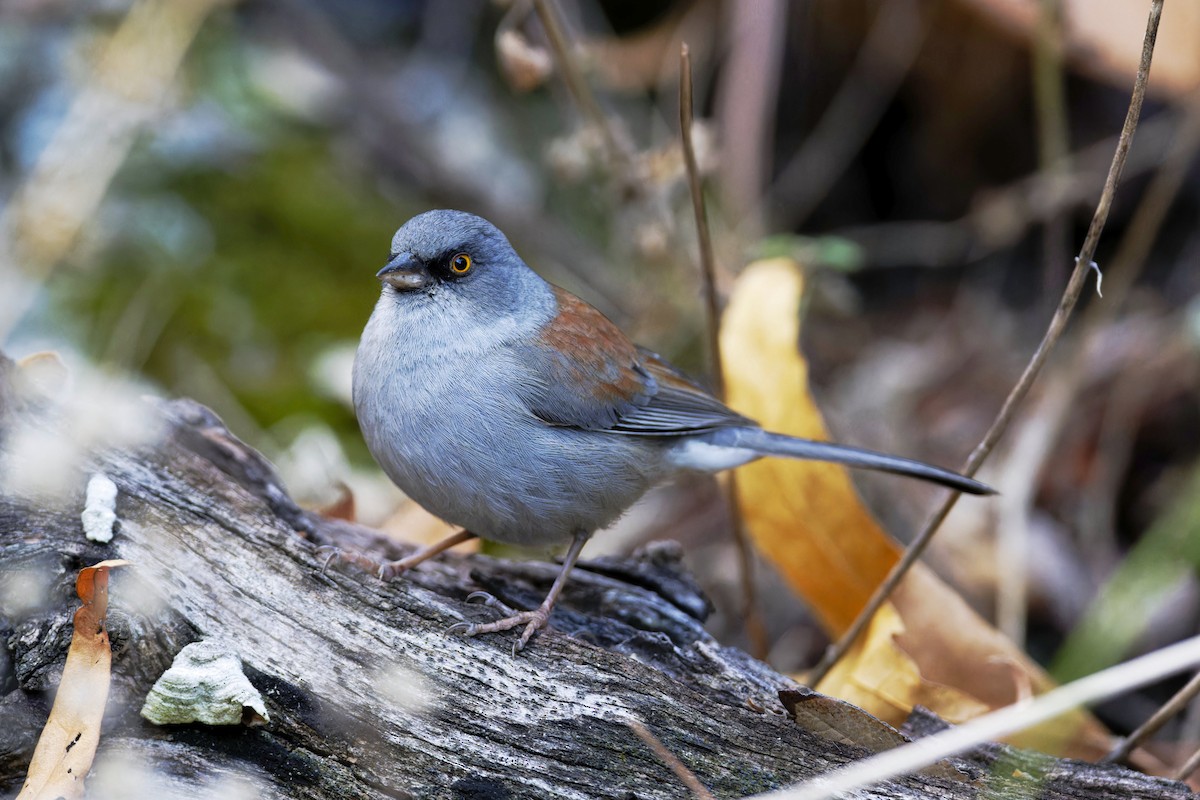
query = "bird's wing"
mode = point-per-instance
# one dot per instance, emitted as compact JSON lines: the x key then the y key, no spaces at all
{"x":608,"y":383}
{"x":679,"y":406}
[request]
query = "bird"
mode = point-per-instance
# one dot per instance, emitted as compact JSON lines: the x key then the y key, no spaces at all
{"x":514,"y":409}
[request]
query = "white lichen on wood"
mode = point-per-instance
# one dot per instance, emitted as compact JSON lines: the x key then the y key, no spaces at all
{"x":205,"y":683}
{"x":100,"y":509}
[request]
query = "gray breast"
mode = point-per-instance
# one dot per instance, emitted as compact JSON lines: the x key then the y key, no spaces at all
{"x":452,"y":433}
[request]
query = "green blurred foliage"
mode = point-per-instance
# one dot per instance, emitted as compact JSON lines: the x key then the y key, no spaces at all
{"x":293,"y":243}
{"x":238,"y":251}
{"x":1150,"y":575}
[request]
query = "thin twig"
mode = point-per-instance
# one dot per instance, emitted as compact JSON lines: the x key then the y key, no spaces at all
{"x":680,"y":769}
{"x":1177,"y":703}
{"x":1057,"y":324}
{"x":1097,"y":505}
{"x":1147,"y":220}
{"x":1121,"y":273}
{"x":1189,"y":766}
{"x":707,"y":267}
{"x":578,"y":86}
{"x":755,"y":628}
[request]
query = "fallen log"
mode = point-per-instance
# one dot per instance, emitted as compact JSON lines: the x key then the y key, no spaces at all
{"x":364,"y":695}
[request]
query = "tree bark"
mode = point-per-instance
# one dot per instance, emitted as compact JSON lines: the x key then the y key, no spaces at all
{"x":368,"y":697}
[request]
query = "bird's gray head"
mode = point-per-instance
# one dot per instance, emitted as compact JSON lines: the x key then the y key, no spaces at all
{"x":453,"y":280}
{"x":457,"y":254}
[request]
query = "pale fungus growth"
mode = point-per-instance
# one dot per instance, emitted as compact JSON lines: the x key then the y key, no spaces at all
{"x":205,"y":683}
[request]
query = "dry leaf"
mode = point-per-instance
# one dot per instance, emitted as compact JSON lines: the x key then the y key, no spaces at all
{"x":68,"y":743}
{"x":838,"y":721}
{"x":1104,"y":38}
{"x":343,"y":507}
{"x":524,"y":65}
{"x":927,"y":646}
{"x":44,"y":373}
{"x":842,"y":722}
{"x":878,"y":675}
{"x":953,"y":646}
{"x":413,"y":524}
{"x":804,"y":515}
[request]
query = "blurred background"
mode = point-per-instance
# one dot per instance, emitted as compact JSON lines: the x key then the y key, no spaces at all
{"x":196,"y":195}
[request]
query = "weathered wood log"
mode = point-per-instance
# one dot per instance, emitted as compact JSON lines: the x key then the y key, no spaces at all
{"x":368,"y":697}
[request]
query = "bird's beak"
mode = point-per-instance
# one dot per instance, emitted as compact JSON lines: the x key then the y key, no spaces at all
{"x":405,"y":273}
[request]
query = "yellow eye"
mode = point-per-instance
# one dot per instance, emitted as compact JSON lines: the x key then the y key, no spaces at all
{"x":460,"y":264}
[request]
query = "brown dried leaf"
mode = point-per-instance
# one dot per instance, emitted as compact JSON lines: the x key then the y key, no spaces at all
{"x":953,"y":646}
{"x":879,"y":675}
{"x":343,"y":507}
{"x":928,"y":647}
{"x":525,"y":65}
{"x":1104,"y":38}
{"x":68,"y":743}
{"x":839,"y":721}
{"x":842,"y":722}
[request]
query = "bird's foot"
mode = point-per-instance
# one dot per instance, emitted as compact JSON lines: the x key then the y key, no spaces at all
{"x":331,"y":554}
{"x":491,"y":601}
{"x":532,"y":620}
{"x":386,"y":570}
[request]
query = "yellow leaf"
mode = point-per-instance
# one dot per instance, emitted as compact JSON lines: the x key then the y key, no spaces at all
{"x":804,"y":515}
{"x":926,"y":646}
{"x":953,"y":646}
{"x":879,"y":676}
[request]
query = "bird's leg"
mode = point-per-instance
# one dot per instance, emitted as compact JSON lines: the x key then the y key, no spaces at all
{"x":386,"y":570}
{"x":532,"y":620}
{"x":390,"y":569}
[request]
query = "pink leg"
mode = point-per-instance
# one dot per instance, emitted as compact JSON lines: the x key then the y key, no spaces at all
{"x":390,"y":569}
{"x":386,"y":570}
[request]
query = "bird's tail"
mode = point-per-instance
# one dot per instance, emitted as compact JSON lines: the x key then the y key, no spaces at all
{"x":777,"y":444}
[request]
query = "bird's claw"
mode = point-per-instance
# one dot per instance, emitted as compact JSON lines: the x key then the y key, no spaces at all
{"x":329,"y":553}
{"x":384,"y":570}
{"x":491,"y":601}
{"x":532,"y":620}
{"x":391,"y":569}
{"x":332,"y":553}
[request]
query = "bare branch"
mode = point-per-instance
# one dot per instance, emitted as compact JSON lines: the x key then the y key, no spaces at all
{"x":1057,"y":324}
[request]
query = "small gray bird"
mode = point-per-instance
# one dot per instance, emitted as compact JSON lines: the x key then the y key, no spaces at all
{"x":511,"y":407}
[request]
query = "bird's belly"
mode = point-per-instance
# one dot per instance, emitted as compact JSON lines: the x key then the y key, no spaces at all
{"x":495,"y":469}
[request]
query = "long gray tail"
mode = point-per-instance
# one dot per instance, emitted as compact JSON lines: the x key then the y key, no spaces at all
{"x":777,"y":444}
